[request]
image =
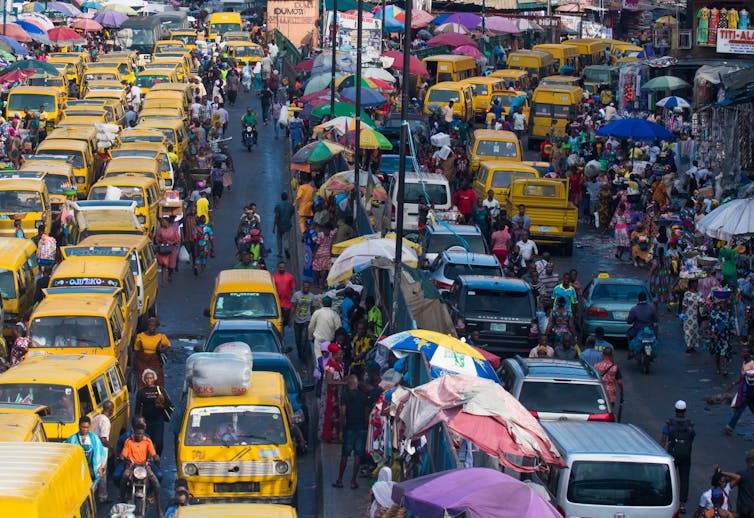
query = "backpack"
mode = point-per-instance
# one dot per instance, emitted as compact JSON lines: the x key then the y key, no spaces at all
{"x":680,"y":438}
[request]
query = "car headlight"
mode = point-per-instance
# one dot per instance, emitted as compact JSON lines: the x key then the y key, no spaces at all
{"x":141,"y":219}
{"x":282,"y":467}
{"x":190,"y":469}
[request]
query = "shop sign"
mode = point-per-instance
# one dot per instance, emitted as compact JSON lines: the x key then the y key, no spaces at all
{"x":631,"y":5}
{"x":295,"y":19}
{"x":735,"y":41}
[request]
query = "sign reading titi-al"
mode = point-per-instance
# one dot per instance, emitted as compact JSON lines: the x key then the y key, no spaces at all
{"x":294,"y":18}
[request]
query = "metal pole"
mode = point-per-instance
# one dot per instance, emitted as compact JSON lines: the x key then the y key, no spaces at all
{"x":382,"y":30}
{"x":398,"y":267}
{"x":357,"y":145}
{"x":334,"y":42}
{"x":484,"y":20}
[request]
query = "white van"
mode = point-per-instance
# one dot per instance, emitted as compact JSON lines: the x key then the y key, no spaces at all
{"x":435,"y":186}
{"x":611,"y":469}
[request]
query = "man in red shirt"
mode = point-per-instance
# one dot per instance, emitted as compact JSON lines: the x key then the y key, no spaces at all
{"x":285,"y":285}
{"x":464,"y":199}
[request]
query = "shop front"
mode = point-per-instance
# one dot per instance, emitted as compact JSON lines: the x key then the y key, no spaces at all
{"x":722,"y":28}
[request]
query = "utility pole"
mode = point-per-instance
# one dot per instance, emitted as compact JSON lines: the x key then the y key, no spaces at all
{"x":484,"y":18}
{"x":398,"y":267}
{"x":334,"y":42}
{"x":357,"y":144}
{"x":382,"y":30}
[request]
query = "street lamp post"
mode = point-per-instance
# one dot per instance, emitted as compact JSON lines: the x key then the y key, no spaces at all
{"x":357,"y":136}
{"x":334,"y":43}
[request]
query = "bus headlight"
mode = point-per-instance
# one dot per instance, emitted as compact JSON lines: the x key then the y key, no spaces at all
{"x":281,"y":467}
{"x":190,"y":469}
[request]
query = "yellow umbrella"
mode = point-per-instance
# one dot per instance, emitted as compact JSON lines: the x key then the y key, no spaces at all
{"x":448,"y":342}
{"x":120,"y":8}
{"x":341,"y":124}
{"x":370,"y":139}
{"x":669,"y":20}
{"x":338,"y":248}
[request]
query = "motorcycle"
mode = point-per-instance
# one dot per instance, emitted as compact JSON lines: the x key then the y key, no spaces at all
{"x":250,"y":136}
{"x":139,"y":488}
{"x":644,"y":346}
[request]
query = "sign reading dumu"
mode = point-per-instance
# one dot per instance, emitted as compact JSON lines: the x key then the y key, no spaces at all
{"x":294,"y":18}
{"x":735,"y":41}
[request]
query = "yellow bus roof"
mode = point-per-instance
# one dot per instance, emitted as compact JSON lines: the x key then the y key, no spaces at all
{"x":59,"y":304}
{"x":129,"y":164}
{"x":231,"y":510}
{"x":73,"y":133}
{"x":115,"y":240}
{"x":57,"y":368}
{"x":266,"y":388}
{"x":125,"y":180}
{"x":448,"y":57}
{"x":10,"y":246}
{"x":227,"y":276}
{"x":21,"y":184}
{"x":24,"y":89}
{"x":14,"y":426}
{"x":173,"y":124}
{"x":495,"y":135}
{"x":63,"y":144}
{"x":508,"y":165}
{"x":82,"y":266}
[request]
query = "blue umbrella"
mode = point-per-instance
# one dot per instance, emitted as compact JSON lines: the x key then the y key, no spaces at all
{"x":37,"y":7}
{"x":90,"y":5}
{"x":14,"y":46}
{"x":369,"y":97}
{"x":29,"y":27}
{"x":444,"y":353}
{"x":439,"y":20}
{"x":110,"y":18}
{"x":674,"y":102}
{"x":634,"y":128}
{"x":64,"y":8}
{"x":392,"y":25}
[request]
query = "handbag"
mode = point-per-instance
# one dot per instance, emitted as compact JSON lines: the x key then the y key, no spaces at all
{"x":167,"y":411}
{"x":164,"y":249}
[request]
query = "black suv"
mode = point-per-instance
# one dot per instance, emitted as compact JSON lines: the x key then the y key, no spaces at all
{"x":501,"y":309}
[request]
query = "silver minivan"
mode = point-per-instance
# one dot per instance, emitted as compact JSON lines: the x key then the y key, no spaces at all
{"x":611,"y":470}
{"x":417,"y":188}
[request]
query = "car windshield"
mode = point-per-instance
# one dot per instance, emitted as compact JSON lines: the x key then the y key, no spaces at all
{"x":443,"y":96}
{"x":249,"y":51}
{"x":563,"y":398}
{"x":233,"y":425}
{"x":7,"y":284}
{"x":440,"y":242}
{"x":437,"y":192}
{"x":617,"y":292}
{"x":77,"y":156}
{"x":112,"y":192}
{"x":517,"y":304}
{"x":596,"y":76}
{"x":497,"y":148}
{"x":67,"y":331}
{"x":246,"y":305}
{"x":502,"y":179}
{"x":149,"y":80}
{"x":259,"y":340}
{"x":225,"y":27}
{"x":452,"y":271}
{"x":57,"y":183}
{"x":644,"y":484}
{"x":58,"y":397}
{"x":20,"y":201}
{"x":19,"y":101}
{"x":504,"y":100}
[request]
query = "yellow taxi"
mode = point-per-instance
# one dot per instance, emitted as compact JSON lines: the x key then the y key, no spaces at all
{"x":249,"y":294}
{"x":25,"y":200}
{"x":19,"y":270}
{"x":34,"y":97}
{"x":496,"y":175}
{"x":142,"y":190}
{"x":488,"y":144}
{"x":57,"y":176}
{"x":83,"y":161}
{"x":245,"y":51}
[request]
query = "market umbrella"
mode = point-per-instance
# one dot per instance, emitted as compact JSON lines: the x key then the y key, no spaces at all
{"x":369,"y":139}
{"x":134,"y":4}
{"x":419,"y":18}
{"x":85,"y":25}
{"x":320,"y":81}
{"x":378,"y":73}
{"x":90,"y":4}
{"x":16,"y":75}
{"x":468,"y":20}
{"x":451,"y":27}
{"x":343,"y":182}
{"x":500,"y":25}
{"x":342,"y":110}
{"x":729,"y":220}
{"x":40,"y":20}
{"x":34,"y":7}
{"x":34,"y":64}
{"x":342,"y":125}
{"x":15,"y":31}
{"x":665,"y":83}
{"x":317,"y":152}
{"x":393,"y":25}
{"x":11,"y":45}
{"x":31,"y":26}
{"x":416,"y":67}
{"x":110,"y":18}
{"x":452,"y":40}
{"x":62,"y":7}
{"x":476,"y":492}
{"x":324,"y":93}
{"x":7,"y":56}
{"x":639,"y":129}
{"x":359,"y":257}
{"x":339,"y":248}
{"x":667,"y":20}
{"x":468,"y":50}
{"x":119,"y":8}
{"x":369,"y":98}
{"x":390,"y":11}
{"x":673,"y":102}
{"x":494,"y":359}
{"x":304,"y":66}
{"x":350,"y":80}
{"x":64,"y":37}
{"x":424,"y":34}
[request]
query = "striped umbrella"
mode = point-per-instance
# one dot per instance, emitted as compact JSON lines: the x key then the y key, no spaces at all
{"x":15,"y":31}
{"x":64,"y":37}
{"x":85,"y":25}
{"x":673,"y":102}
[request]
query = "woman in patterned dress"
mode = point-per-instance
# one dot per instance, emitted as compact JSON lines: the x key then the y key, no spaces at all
{"x":620,"y":224}
{"x":692,"y":300}
{"x":720,"y":325}
{"x":661,"y":277}
{"x":204,"y":239}
{"x":323,"y":256}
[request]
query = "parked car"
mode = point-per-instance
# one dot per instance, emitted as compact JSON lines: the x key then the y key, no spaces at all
{"x":440,"y":237}
{"x":389,"y":167}
{"x":501,"y":309}
{"x":260,"y":335}
{"x":391,"y":127}
{"x":606,"y":303}
{"x":449,"y":264}
{"x":557,"y":389}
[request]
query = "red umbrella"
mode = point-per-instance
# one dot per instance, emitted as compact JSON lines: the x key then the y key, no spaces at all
{"x":63,"y":36}
{"x":16,"y":75}
{"x":304,"y":66}
{"x":15,"y":31}
{"x":321,"y":94}
{"x":452,"y":39}
{"x":419,"y":18}
{"x":415,"y":66}
{"x":86,"y":25}
{"x":494,"y":359}
{"x":468,"y":50}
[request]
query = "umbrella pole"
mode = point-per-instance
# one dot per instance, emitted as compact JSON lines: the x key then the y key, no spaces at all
{"x":357,"y":146}
{"x":334,"y":43}
{"x":398,"y":270}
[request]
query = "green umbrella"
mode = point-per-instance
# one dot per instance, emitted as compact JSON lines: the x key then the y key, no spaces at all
{"x":665,"y":83}
{"x":316,"y":152}
{"x":33,"y":64}
{"x":342,"y":110}
{"x":7,"y":56}
{"x":320,"y":82}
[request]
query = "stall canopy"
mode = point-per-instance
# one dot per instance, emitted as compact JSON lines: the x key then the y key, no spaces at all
{"x":732,"y":219}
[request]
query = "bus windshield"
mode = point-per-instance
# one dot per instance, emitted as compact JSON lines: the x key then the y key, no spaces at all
{"x":19,"y":101}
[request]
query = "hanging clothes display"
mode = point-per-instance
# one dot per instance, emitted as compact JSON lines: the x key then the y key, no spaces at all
{"x":732,"y":18}
{"x":702,"y":27}
{"x":743,"y":19}
{"x":722,"y":23}
{"x":714,"y":17}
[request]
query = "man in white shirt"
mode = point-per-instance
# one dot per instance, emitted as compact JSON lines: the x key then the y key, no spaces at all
{"x":527,"y":247}
{"x":196,"y":108}
{"x":322,"y":325}
{"x":519,"y":122}
{"x":447,"y":112}
{"x":492,"y":204}
{"x":702,"y":176}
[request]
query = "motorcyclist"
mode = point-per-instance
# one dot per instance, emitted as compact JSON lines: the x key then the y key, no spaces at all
{"x":248,"y":119}
{"x":643,"y":314}
{"x":139,"y":450}
{"x":636,"y":345}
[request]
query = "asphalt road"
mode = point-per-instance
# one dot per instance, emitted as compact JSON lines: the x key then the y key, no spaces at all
{"x":262,"y":174}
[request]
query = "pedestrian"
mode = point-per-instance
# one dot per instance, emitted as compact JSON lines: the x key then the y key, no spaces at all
{"x":149,"y":346}
{"x":354,"y":408}
{"x":678,"y":438}
{"x":465,"y":199}
{"x":567,"y":291}
{"x":301,"y":305}
{"x":94,"y":451}
{"x":744,"y":481}
{"x":246,"y":77}
{"x":154,"y":405}
{"x":611,"y":376}
{"x":620,"y":224}
{"x":500,"y":242}
{"x":720,"y":483}
{"x":323,"y":324}
{"x":296,"y":130}
{"x":309,"y":237}
{"x":265,"y":98}
{"x":542,"y":349}
{"x":232,"y":86}
{"x":527,"y":247}
{"x":565,"y":350}
{"x":374,"y":316}
{"x":692,"y":302}
{"x":521,"y":217}
{"x":304,"y":201}
{"x":277,"y":108}
{"x":600,"y":344}
{"x":167,"y":239}
{"x":332,"y":430}
{"x":361,"y":345}
{"x":101,"y":428}
{"x":204,"y":239}
{"x":661,"y":277}
{"x":20,"y":343}
{"x":323,"y":255}
{"x":720,"y":326}
{"x":744,"y":396}
{"x":560,"y":321}
{"x":589,"y":354}
{"x":285,"y":285}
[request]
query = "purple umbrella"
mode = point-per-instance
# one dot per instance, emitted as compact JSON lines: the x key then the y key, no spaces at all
{"x":477,"y":491}
{"x":468,"y":20}
{"x":66,"y":9}
{"x":451,"y":39}
{"x":500,"y":25}
{"x":110,"y":18}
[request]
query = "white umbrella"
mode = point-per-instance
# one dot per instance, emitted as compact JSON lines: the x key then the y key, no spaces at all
{"x":451,"y":27}
{"x":133,"y":4}
{"x":673,"y":102}
{"x":733,"y":219}
{"x":378,"y":73}
{"x":358,"y":257}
